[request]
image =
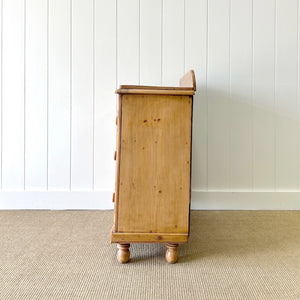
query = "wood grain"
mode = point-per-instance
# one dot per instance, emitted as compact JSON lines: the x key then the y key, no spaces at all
{"x":122,"y":237}
{"x":117,"y":176}
{"x":172,"y":253}
{"x":123,"y":254}
{"x":188,"y":80}
{"x":156,"y":91}
{"x":153,"y":194}
{"x":148,"y":87}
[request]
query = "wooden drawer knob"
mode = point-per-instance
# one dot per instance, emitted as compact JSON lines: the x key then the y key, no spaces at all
{"x":113,"y":197}
{"x":115,"y":155}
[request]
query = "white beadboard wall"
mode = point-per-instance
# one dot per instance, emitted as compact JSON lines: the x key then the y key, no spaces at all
{"x":61,"y":61}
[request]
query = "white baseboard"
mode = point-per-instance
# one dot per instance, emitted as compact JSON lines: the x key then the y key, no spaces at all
{"x":211,"y":200}
{"x":56,"y":200}
{"x":214,"y":200}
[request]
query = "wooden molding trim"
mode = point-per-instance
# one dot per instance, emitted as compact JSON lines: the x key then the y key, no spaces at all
{"x":187,"y":87}
{"x":150,"y":87}
{"x":177,"y":92}
{"x":188,"y":80}
{"x":135,"y":237}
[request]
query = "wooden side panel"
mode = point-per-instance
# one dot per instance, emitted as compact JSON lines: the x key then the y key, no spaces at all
{"x":118,"y":151}
{"x":155,"y":164}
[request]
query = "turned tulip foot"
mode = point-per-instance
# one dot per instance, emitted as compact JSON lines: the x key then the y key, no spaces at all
{"x":172,"y":254}
{"x":123,"y":254}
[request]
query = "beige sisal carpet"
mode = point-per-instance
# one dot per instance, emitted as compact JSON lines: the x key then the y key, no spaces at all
{"x":231,"y":255}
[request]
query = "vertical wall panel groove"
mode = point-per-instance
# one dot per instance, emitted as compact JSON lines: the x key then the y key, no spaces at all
{"x":47,"y":146}
{"x":275,"y":111}
{"x":218,"y":94}
{"x":150,"y":42}
{"x":24,"y":95}
{"x":116,"y":47}
{"x":59,"y":95}
{"x":229,"y":101}
{"x":298,"y":91}
{"x":252,"y":114}
{"x":1,"y":60}
{"x":105,"y":85}
{"x":184,"y":34}
{"x":13,"y":95}
{"x":71,"y":90}
{"x":139,"y":50}
{"x":173,"y":41}
{"x":161,"y":42}
{"x":35,"y":90}
{"x":196,"y":58}
{"x":128,"y":42}
{"x":206,"y":74}
{"x":263,"y":95}
{"x":286,"y":96}
{"x":82,"y":95}
{"x":240,"y":95}
{"x":93,"y":133}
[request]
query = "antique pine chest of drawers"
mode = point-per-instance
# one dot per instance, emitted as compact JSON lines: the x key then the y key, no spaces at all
{"x":153,"y":166}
